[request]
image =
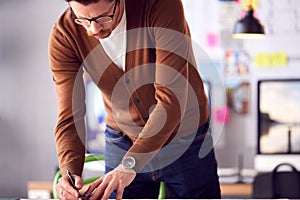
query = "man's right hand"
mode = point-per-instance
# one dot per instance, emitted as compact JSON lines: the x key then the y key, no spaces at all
{"x":64,"y":189}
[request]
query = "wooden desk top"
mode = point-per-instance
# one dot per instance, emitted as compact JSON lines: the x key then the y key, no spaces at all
{"x":232,"y":189}
{"x":244,"y":189}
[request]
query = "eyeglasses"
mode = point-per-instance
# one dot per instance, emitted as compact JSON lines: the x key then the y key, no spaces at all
{"x":101,"y":19}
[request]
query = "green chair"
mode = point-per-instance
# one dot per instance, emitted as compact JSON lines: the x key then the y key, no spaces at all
{"x":161,"y":191}
{"x":92,"y":158}
{"x":88,"y":158}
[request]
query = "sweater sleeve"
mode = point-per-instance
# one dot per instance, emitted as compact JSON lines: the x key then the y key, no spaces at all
{"x":68,"y":80}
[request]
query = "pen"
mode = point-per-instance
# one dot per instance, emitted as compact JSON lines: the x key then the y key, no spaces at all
{"x":71,"y":180}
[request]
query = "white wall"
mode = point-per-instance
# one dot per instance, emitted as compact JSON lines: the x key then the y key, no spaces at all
{"x":238,"y":138}
{"x":27,"y":97}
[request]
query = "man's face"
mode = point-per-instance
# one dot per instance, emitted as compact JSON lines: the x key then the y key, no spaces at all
{"x":101,"y":8}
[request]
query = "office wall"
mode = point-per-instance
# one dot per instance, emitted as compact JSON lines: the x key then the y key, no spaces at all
{"x":236,"y":144}
{"x":27,"y":98}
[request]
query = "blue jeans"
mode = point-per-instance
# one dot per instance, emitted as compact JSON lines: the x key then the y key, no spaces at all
{"x":189,"y":176}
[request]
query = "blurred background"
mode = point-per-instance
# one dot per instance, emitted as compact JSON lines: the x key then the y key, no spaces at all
{"x":27,"y":97}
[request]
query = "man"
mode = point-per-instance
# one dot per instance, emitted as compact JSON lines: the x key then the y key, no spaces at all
{"x":139,"y":54}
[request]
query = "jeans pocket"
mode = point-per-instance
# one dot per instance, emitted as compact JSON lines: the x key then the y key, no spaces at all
{"x":112,"y":135}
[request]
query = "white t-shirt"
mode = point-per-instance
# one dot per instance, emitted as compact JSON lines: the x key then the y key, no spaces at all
{"x":115,"y":44}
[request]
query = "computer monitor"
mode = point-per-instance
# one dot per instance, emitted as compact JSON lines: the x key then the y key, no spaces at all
{"x":95,"y":118}
{"x":278,"y":109}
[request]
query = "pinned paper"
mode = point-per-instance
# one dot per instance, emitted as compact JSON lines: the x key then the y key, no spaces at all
{"x":213,"y":39}
{"x":276,"y":59}
{"x":279,"y":59}
{"x":262,"y":60}
{"x":221,"y":115}
{"x":245,"y":4}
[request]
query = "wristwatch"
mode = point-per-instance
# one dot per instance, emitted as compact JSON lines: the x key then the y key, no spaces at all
{"x":128,"y":162}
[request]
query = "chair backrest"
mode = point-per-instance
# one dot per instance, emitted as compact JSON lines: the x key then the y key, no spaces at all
{"x":93,"y":158}
{"x":88,"y":159}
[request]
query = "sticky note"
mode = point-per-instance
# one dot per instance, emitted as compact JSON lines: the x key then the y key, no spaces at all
{"x":212,"y":39}
{"x":262,"y":60}
{"x":279,"y":59}
{"x":273,"y":59}
{"x":221,"y":115}
{"x":245,"y":4}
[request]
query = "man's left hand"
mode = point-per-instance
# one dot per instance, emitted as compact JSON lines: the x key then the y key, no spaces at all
{"x":117,"y":179}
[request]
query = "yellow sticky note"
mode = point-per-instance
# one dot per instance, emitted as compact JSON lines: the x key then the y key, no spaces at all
{"x":275,"y":59}
{"x":262,"y":60}
{"x":245,"y":4}
{"x":279,"y":59}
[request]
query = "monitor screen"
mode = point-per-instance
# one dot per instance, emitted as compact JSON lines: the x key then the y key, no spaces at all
{"x":279,"y":116}
{"x":95,"y":119}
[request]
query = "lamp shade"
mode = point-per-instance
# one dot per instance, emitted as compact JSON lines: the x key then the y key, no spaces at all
{"x":248,"y":27}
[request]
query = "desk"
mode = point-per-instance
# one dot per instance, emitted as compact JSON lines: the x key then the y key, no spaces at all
{"x":42,"y":189}
{"x":236,"y":189}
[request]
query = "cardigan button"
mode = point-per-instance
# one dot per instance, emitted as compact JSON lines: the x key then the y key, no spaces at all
{"x":137,"y":101}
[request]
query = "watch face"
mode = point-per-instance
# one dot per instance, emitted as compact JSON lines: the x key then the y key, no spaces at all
{"x":128,"y":162}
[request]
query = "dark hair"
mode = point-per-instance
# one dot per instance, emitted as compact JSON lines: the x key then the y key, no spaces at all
{"x":87,"y":2}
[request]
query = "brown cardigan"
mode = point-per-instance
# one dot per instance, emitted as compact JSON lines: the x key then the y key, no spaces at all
{"x":159,"y":96}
